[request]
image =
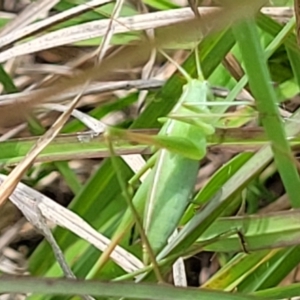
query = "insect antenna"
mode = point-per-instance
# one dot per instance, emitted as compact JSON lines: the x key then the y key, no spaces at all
{"x":198,"y":65}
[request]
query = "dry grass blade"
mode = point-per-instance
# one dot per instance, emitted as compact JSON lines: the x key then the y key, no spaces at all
{"x":43,"y":227}
{"x":180,"y":33}
{"x":100,"y":52}
{"x":15,"y":176}
{"x":93,"y":88}
{"x":179,"y":272}
{"x":90,"y":30}
{"x":98,"y":28}
{"x":134,"y":161}
{"x":42,"y":25}
{"x":147,"y":70}
{"x":31,"y":13}
{"x":7,"y":238}
{"x":26,"y":199}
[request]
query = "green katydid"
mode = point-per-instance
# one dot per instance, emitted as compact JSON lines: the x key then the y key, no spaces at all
{"x":169,"y":185}
{"x":169,"y":195}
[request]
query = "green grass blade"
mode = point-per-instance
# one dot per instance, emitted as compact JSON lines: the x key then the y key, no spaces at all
{"x":259,"y":232}
{"x":272,"y":271}
{"x":69,"y":175}
{"x":96,"y":196}
{"x":64,"y":147}
{"x":217,"y":180}
{"x":281,"y":292}
{"x":237,"y":269}
{"x":259,"y":80}
{"x":112,"y":289}
{"x":7,"y":81}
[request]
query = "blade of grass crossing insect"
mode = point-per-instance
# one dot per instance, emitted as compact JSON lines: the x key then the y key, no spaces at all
{"x":217,"y":180}
{"x":259,"y":80}
{"x":134,"y":213}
